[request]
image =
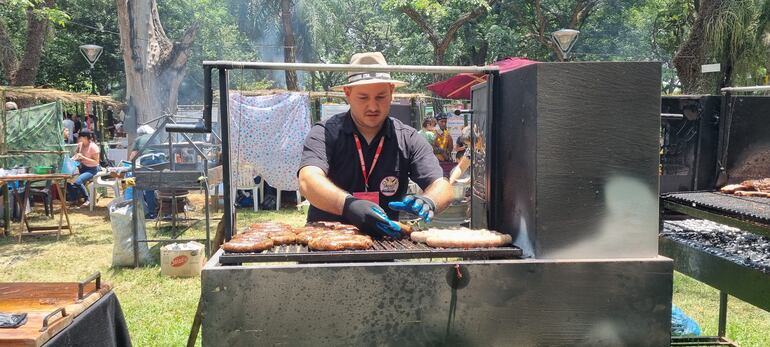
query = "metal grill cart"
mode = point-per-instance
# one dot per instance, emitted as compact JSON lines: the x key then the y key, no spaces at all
{"x":584,"y":268}
{"x":712,"y":250}
{"x":172,"y":177}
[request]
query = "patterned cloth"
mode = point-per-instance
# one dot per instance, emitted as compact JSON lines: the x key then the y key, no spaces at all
{"x":268,"y":133}
{"x":34,"y":128}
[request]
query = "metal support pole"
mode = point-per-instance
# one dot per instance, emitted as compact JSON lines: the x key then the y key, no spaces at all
{"x":746,"y":89}
{"x":722,"y":314}
{"x":93,"y":87}
{"x":224,"y":123}
{"x":351,"y":67}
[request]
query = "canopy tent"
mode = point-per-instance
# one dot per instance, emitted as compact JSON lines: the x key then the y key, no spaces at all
{"x":33,"y":136}
{"x":459,"y":86}
{"x":73,"y":103}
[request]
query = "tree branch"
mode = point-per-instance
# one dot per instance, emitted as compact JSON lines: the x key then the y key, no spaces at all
{"x":180,"y":52}
{"x":465,"y":18}
{"x":422,"y":24}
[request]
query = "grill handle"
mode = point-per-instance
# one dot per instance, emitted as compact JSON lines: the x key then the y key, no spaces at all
{"x":45,"y":320}
{"x":82,"y":285}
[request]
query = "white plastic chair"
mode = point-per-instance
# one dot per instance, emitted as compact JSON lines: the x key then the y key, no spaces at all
{"x":278,"y":198}
{"x":244,"y":180}
{"x":102,"y":179}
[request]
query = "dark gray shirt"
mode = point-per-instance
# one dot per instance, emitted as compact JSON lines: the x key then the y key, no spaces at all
{"x":405,"y":154}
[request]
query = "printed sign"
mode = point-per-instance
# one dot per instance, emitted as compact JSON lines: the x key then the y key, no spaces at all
{"x":179,"y":261}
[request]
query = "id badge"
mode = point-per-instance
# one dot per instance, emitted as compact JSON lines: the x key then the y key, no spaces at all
{"x":370,"y":196}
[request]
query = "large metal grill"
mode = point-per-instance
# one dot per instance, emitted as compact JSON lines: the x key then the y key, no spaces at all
{"x":730,"y":243}
{"x":753,"y":208}
{"x":383,"y":250}
{"x":747,"y":213}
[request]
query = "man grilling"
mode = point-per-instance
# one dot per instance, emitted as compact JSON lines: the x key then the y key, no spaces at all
{"x":356,"y":165}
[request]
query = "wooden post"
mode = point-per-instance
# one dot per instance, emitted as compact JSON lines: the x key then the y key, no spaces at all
{"x":3,"y":122}
{"x":6,"y":198}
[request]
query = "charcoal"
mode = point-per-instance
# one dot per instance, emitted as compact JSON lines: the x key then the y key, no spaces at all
{"x":733,"y":244}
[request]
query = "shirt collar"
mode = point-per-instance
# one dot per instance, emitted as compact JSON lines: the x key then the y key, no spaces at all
{"x":349,"y":127}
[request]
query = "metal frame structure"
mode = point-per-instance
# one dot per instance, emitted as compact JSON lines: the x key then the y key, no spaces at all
{"x":730,"y":278}
{"x":165,"y":122}
{"x":445,"y":301}
{"x":224,"y":66}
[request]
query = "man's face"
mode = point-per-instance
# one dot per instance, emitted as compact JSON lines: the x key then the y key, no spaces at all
{"x":370,"y":103}
{"x":442,"y":124}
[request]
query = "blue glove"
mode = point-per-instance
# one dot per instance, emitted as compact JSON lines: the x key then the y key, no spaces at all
{"x":370,"y":218}
{"x":419,"y":205}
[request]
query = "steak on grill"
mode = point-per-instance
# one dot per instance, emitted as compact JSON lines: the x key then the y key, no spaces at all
{"x":762,"y":185}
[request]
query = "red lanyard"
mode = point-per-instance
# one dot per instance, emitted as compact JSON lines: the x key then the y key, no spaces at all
{"x":361,"y":159}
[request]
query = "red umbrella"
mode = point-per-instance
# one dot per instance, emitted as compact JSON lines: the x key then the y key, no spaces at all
{"x":459,"y":86}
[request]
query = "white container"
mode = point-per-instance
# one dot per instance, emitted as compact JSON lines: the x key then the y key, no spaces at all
{"x":182,"y":259}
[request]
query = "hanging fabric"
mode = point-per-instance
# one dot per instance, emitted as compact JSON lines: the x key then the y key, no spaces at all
{"x":268,"y":132}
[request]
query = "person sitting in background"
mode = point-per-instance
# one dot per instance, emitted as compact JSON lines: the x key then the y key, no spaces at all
{"x":142,"y":143}
{"x":428,"y":130}
{"x":88,"y":156}
{"x":149,"y":156}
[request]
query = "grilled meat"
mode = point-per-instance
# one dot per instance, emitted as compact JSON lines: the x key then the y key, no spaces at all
{"x":340,"y":242}
{"x":762,"y":185}
{"x":461,"y":238}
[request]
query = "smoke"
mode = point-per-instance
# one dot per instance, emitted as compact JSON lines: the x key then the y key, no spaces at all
{"x":270,"y":47}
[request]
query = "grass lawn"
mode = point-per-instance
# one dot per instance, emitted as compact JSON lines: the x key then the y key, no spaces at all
{"x":159,"y":310}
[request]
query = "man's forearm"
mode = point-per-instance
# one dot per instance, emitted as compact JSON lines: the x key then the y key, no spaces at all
{"x":462,"y":165}
{"x":440,"y":191}
{"x":320,"y":191}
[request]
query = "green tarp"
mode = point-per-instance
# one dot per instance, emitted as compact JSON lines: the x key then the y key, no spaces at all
{"x":34,"y":128}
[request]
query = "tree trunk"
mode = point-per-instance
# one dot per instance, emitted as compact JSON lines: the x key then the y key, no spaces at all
{"x":289,"y":46}
{"x":37,"y":28}
{"x":154,"y":65}
{"x":7,"y":53}
{"x":24,"y":72}
{"x":691,"y":54}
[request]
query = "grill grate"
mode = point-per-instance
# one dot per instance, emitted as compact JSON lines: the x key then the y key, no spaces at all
{"x":383,"y":250}
{"x":749,"y":208}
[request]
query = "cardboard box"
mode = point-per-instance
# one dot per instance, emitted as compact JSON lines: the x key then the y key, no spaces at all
{"x":182,"y":259}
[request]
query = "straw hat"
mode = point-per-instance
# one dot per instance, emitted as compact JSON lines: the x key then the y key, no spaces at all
{"x":361,"y":78}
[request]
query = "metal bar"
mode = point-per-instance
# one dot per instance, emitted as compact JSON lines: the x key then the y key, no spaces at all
{"x":740,"y":89}
{"x":50,"y":315}
{"x":96,"y":278}
{"x":681,"y":341}
{"x":386,"y":251}
{"x":672,"y":115}
{"x":224,"y":122}
{"x":224,"y":65}
{"x":722,"y":219}
{"x":722,"y":313}
{"x":207,"y":96}
{"x":169,"y":240}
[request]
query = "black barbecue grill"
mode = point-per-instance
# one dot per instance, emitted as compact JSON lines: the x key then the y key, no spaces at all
{"x":748,"y":213}
{"x":743,"y":148}
{"x":383,"y":250}
{"x":590,"y":274}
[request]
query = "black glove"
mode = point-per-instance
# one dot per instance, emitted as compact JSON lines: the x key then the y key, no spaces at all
{"x":369,"y":217}
{"x":419,"y":205}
